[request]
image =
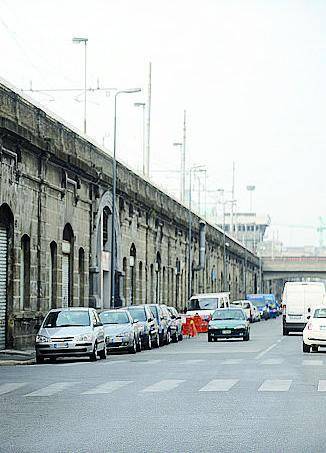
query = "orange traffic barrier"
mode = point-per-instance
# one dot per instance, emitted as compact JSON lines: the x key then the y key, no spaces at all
{"x":201,"y":324}
{"x":189,"y":327}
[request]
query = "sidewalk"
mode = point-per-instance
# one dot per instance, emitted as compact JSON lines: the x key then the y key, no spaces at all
{"x":14,"y":357}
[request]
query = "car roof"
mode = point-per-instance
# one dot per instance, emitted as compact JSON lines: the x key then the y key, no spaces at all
{"x":209,"y":295}
{"x":72,"y":309}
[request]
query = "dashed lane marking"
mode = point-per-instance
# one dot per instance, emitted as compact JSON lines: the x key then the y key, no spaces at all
{"x":275,"y":385}
{"x":10,"y":387}
{"x":219,"y":385}
{"x":322,"y":385}
{"x":51,"y":389}
{"x":163,"y":386}
{"x":232,"y":361}
{"x":312,"y":362}
{"x":108,"y":387}
{"x":272,"y":362}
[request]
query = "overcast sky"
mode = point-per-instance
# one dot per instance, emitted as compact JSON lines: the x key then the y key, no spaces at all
{"x":251,"y":75}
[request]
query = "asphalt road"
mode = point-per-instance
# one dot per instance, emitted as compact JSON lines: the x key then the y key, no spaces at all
{"x":264,"y":395}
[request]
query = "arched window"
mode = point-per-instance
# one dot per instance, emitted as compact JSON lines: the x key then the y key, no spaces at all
{"x":132,"y":264}
{"x":106,"y":229}
{"x":25,"y":272}
{"x":53,"y":275}
{"x":81,"y":277}
{"x":67,"y":266}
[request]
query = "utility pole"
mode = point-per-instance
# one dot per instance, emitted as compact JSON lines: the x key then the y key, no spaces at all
{"x":183,"y":161}
{"x":149,"y":104}
{"x":232,"y":205}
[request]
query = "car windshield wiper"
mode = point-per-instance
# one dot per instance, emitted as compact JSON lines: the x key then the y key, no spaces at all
{"x":73,"y":325}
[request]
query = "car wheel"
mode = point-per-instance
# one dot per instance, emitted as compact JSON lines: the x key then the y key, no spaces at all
{"x":102,"y":354}
{"x":53,"y":359}
{"x":139,"y":345}
{"x":210,"y":339}
{"x":149,"y":342}
{"x":285,"y":331}
{"x":39,"y":359}
{"x":305,"y":347}
{"x":314,"y":348}
{"x":246,"y":337}
{"x":168,"y":337}
{"x":133,"y":348}
{"x":93,"y":355}
{"x":180,"y":337}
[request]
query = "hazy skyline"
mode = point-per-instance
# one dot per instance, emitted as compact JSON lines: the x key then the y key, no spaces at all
{"x":251,"y":75}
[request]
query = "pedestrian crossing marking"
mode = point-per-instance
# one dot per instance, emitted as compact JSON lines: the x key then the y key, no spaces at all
{"x":219,"y":385}
{"x":51,"y":389}
{"x":275,"y":385}
{"x":10,"y":387}
{"x":312,"y":362}
{"x":322,"y":385}
{"x":108,"y":387}
{"x":163,"y":386}
{"x":273,"y":362}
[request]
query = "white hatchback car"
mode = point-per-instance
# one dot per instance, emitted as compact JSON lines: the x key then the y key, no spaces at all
{"x":314,"y":334}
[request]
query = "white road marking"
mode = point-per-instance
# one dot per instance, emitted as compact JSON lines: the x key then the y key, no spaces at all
{"x":232,"y":361}
{"x":10,"y":387}
{"x":219,"y":385}
{"x":312,"y":362}
{"x":275,"y":385}
{"x":72,"y":363}
{"x":265,"y":351}
{"x":51,"y":389}
{"x":163,"y":386}
{"x":108,"y":387}
{"x":191,"y":361}
{"x":322,"y":385}
{"x":272,"y":362}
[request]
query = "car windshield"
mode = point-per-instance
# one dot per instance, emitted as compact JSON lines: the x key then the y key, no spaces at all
{"x":114,"y":317}
{"x":320,"y":313}
{"x":259,"y":303}
{"x":222,"y":315}
{"x":202,"y":304}
{"x":67,"y":318}
{"x":137,"y":313}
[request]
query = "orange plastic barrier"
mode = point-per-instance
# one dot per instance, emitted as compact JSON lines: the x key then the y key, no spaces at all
{"x":201,"y":324}
{"x":189,"y":327}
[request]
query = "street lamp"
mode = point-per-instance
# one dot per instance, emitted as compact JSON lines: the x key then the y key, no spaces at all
{"x":84,"y":41}
{"x":143,"y":105}
{"x":114,"y":190}
{"x":182,"y":170}
{"x":194,"y":168}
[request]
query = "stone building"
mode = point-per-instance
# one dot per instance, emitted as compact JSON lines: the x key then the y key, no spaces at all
{"x":55,"y":229}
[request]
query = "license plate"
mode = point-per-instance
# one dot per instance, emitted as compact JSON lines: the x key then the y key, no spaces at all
{"x":225,"y":332}
{"x":295,"y":316}
{"x":60,"y":345}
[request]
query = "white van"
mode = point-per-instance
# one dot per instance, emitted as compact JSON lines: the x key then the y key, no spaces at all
{"x":299,"y":300}
{"x":204,"y":305}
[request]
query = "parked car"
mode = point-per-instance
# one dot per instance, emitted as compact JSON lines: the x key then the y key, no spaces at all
{"x":314,"y":333}
{"x":176,"y":325}
{"x":147,"y":325}
{"x":121,"y":332}
{"x":163,"y":318}
{"x":229,"y":323}
{"x":71,"y":332}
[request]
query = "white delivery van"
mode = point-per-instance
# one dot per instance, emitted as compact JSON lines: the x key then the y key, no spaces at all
{"x":299,"y":300}
{"x":204,"y":305}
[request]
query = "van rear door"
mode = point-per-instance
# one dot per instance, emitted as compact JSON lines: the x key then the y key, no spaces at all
{"x":295,"y":304}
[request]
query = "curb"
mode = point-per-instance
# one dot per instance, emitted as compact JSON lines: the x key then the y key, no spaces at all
{"x":16,"y":362}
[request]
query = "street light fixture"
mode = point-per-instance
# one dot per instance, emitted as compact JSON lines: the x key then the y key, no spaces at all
{"x":114,"y":189}
{"x":84,"y":41}
{"x":194,"y":168}
{"x":143,"y":105}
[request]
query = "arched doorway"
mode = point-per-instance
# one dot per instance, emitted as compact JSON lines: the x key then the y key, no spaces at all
{"x":67,"y":266}
{"x":6,"y":270}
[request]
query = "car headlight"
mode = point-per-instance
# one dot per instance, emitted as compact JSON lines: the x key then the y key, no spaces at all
{"x":84,"y":337}
{"x":42,"y":339}
{"x":242,"y":326}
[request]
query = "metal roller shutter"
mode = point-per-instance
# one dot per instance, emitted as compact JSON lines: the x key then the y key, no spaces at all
{"x":65,"y":281}
{"x":3,"y":285}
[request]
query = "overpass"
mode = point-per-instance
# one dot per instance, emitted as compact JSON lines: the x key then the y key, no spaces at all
{"x":277,"y":270}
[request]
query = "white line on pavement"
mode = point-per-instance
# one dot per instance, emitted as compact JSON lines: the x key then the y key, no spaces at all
{"x":163,"y":386}
{"x":272,"y":362}
{"x":232,"y":361}
{"x":275,"y":385}
{"x":312,"y":362}
{"x":265,"y":351}
{"x":51,"y":389}
{"x":108,"y":387}
{"x":322,"y":385}
{"x":10,"y":387}
{"x":219,"y":385}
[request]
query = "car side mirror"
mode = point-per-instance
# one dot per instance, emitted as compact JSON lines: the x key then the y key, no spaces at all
{"x":150,"y":319}
{"x":178,"y":317}
{"x":135,"y":321}
{"x":308,"y":317}
{"x":99,"y":324}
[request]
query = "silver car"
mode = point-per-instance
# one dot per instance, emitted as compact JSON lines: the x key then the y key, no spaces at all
{"x":121,"y":332}
{"x":70,"y":332}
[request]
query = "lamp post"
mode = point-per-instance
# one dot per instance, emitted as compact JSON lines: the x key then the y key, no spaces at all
{"x":143,"y":105}
{"x":196,"y":167}
{"x":182,"y":171}
{"x":84,"y":41}
{"x":114,"y":190}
